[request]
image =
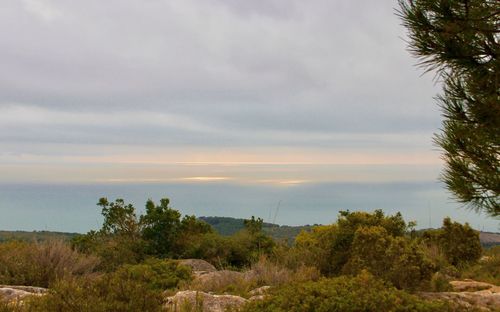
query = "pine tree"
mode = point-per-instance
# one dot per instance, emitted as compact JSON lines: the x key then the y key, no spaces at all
{"x":459,"y":40}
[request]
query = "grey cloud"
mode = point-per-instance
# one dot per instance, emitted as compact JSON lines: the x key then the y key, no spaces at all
{"x":273,"y":67}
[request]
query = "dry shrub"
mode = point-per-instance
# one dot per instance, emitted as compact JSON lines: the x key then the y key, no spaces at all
{"x":270,"y":273}
{"x":262,"y":273}
{"x":223,"y":282}
{"x":41,"y":264}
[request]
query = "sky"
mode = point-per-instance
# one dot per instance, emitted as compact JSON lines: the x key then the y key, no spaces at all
{"x":158,"y":90}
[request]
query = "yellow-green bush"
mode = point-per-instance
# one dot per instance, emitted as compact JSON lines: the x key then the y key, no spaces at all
{"x":394,"y":259}
{"x":329,"y":247}
{"x":343,"y":294}
{"x":459,"y":243}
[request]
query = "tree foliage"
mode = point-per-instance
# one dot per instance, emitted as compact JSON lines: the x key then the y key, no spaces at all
{"x":162,"y":232}
{"x":161,"y":225}
{"x":460,"y":40}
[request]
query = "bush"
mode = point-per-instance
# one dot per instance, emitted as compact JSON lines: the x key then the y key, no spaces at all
{"x":314,"y":248}
{"x":487,"y":269}
{"x":361,"y":293}
{"x":361,"y":240}
{"x":109,"y":292}
{"x":41,"y":264}
{"x":440,"y":282}
{"x":157,"y":274}
{"x":330,"y":246}
{"x":131,"y":288}
{"x":459,"y":243}
{"x":394,"y":259}
{"x":266,"y":272}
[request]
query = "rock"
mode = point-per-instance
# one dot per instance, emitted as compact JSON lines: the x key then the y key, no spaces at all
{"x":256,"y":298}
{"x":259,"y":291}
{"x":469,"y":293}
{"x":198,"y":265}
{"x":470,"y":285}
{"x":190,"y":299}
{"x":219,"y":278}
{"x":18,"y":293}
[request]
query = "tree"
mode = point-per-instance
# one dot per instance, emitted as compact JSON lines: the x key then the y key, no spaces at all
{"x":460,"y":40}
{"x":161,"y":226}
{"x":119,"y":218}
{"x":253,"y":225}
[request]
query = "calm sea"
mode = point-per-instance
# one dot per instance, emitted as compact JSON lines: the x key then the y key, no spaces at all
{"x":72,"y":207}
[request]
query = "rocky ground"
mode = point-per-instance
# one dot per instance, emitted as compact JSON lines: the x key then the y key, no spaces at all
{"x":469,"y":293}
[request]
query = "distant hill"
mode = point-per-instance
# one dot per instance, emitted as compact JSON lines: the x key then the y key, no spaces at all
{"x":38,"y":236}
{"x":223,"y":225}
{"x":228,"y":226}
{"x":489,"y":239}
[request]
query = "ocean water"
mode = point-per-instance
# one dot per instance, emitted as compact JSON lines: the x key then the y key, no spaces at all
{"x":72,"y":207}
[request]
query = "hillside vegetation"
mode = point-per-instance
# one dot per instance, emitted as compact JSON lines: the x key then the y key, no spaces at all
{"x":228,"y":226}
{"x":35,"y":236}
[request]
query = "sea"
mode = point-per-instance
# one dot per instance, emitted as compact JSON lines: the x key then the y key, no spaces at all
{"x":71,"y":207}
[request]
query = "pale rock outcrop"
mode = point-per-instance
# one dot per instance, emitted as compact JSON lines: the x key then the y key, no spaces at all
{"x":469,"y":293}
{"x":259,"y":291}
{"x":11,"y":293}
{"x":198,"y":265}
{"x":219,"y":278}
{"x":471,"y":285}
{"x":207,"y":302}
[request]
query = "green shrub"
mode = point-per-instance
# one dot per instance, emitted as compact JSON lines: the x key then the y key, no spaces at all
{"x":156,"y":273}
{"x":459,"y":243}
{"x":344,"y":294}
{"x":109,"y":292}
{"x":130,"y":288}
{"x":440,"y":282}
{"x":487,"y":269}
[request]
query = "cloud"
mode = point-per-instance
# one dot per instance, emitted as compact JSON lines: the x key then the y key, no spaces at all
{"x":42,"y":9}
{"x":218,"y":76}
{"x":32,"y":116}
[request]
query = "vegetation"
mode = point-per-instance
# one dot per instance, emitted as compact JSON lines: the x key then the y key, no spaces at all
{"x":363,"y":262}
{"x":161,"y":232}
{"x":458,"y":243}
{"x":488,"y":269}
{"x":35,"y":236}
{"x":459,"y":39}
{"x":129,"y":288}
{"x":228,"y":226}
{"x":42,"y":264}
{"x":360,"y":293}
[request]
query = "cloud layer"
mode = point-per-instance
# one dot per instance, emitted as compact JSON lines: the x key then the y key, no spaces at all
{"x":196,"y":79}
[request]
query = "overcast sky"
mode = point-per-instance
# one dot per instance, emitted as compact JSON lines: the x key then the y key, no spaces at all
{"x":131,"y":90}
